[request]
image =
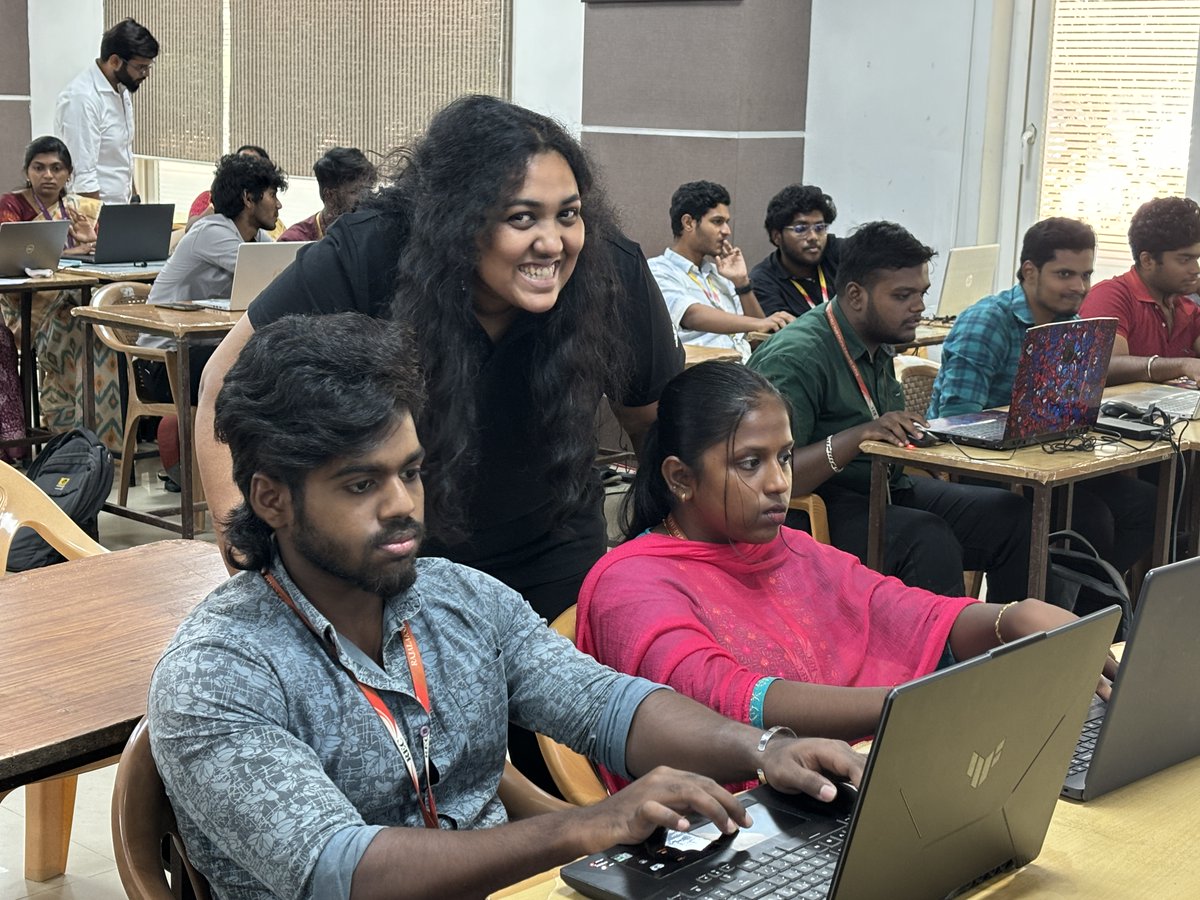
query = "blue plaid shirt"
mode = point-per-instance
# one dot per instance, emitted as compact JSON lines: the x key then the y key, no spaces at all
{"x":980,"y":356}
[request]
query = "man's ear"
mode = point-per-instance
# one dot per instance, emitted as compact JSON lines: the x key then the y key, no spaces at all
{"x":776,"y":237}
{"x":688,"y":222}
{"x":271,"y":500}
{"x":854,"y":296}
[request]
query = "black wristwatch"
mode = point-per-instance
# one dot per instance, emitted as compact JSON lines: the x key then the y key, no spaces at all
{"x":744,"y":289}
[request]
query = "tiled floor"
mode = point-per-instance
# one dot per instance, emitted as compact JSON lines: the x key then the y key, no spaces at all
{"x":91,"y":870}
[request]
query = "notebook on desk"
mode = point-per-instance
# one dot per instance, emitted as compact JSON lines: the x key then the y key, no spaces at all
{"x":960,"y":785}
{"x":970,"y":272}
{"x":135,"y":233}
{"x":1056,"y":392}
{"x":257,"y":265}
{"x":31,"y":245}
{"x":1148,"y":723}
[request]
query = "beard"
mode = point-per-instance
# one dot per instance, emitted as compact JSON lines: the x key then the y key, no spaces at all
{"x":131,"y":83}
{"x":334,"y":558}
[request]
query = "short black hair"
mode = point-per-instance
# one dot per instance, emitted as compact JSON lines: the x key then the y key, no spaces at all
{"x":1162,"y":224}
{"x":1047,"y":237}
{"x":342,"y":165}
{"x":236,"y":174}
{"x":695,"y":199}
{"x":257,"y":149}
{"x":128,"y":39}
{"x":306,"y":390}
{"x":877,"y":247}
{"x":795,"y":199}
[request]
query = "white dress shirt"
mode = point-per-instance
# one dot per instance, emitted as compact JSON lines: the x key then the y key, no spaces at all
{"x":95,"y":121}
{"x":684,"y":284}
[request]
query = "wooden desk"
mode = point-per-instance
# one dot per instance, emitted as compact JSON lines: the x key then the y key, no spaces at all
{"x":26,"y":288}
{"x":1030,"y":467}
{"x":106,"y":274}
{"x":1135,"y":842}
{"x":693,"y":354}
{"x":928,"y":334}
{"x":183,"y":326}
{"x":82,"y":641}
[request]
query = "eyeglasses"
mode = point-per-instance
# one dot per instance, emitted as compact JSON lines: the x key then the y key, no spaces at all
{"x":142,"y":69}
{"x":805,"y":227}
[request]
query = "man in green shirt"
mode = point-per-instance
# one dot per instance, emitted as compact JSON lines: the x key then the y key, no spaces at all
{"x":834,"y":364}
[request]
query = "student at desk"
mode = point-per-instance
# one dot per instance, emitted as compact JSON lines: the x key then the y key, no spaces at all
{"x":332,"y":720}
{"x":710,"y":596}
{"x":834,"y":366}
{"x":1116,"y":513}
{"x":57,"y":337}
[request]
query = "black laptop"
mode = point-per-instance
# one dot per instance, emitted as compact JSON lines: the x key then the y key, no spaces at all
{"x":133,"y":234}
{"x":1148,"y":724}
{"x":960,"y":785}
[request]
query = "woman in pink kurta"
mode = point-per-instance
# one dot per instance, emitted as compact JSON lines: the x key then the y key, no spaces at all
{"x":712,"y":597}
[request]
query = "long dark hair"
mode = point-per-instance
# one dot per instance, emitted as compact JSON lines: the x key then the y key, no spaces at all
{"x":448,"y":192}
{"x":699,"y":408}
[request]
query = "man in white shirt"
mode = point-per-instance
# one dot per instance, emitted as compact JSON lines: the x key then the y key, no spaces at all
{"x":704,"y":278}
{"x":94,"y":114}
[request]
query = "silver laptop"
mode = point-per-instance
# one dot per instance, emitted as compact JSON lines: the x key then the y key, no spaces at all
{"x":1148,"y":724}
{"x":31,"y":245}
{"x":960,"y":785}
{"x":1176,"y":402}
{"x":132,"y":233}
{"x":258,"y":264}
{"x":970,"y":272}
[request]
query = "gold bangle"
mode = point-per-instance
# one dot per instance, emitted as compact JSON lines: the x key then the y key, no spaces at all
{"x":999,"y":616}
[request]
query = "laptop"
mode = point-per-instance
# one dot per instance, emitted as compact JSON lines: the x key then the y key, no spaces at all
{"x":258,"y":264}
{"x":960,"y":785}
{"x":1148,"y":724}
{"x":132,"y":233}
{"x":970,"y":272}
{"x":1056,"y":392}
{"x":1177,"y":402}
{"x":31,"y":245}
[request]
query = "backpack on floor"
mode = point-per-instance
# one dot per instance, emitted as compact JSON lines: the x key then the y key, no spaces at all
{"x":76,"y":471}
{"x":1077,"y":573}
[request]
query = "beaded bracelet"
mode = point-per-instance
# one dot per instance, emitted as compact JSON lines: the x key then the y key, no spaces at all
{"x":999,"y":616}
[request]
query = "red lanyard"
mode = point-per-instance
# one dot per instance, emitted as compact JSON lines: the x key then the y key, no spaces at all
{"x":862,"y":385}
{"x":824,"y":289}
{"x":416,"y":669}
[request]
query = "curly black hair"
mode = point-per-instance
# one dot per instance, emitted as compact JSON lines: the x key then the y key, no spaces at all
{"x":1162,"y":224}
{"x":238,"y":173}
{"x":795,"y":199}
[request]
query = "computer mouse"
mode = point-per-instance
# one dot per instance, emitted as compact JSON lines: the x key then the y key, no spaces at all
{"x":1121,"y":409}
{"x":924,"y":438}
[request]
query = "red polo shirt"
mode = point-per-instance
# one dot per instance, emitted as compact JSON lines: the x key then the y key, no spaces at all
{"x":1139,"y":320}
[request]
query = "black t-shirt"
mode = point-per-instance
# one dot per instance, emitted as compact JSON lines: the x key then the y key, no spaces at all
{"x":776,"y":291}
{"x":509,"y":504}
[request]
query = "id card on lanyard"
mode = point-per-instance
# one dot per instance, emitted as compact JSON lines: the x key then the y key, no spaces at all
{"x":812,"y":304}
{"x":416,"y":668}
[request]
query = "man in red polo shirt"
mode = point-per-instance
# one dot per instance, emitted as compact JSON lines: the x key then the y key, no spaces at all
{"x":1158,"y":324}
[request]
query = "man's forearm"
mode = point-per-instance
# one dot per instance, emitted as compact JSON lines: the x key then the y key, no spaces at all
{"x":671,"y":729}
{"x":716,"y":321}
{"x":1124,"y":369}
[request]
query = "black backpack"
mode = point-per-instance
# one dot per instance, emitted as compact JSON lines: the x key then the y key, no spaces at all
{"x":76,"y":471}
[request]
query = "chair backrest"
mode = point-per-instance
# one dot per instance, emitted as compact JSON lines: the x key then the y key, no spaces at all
{"x":117,"y":294}
{"x":22,"y":503}
{"x":818,"y":518}
{"x":141,"y":818}
{"x":572,"y":772}
{"x":917,"y":382}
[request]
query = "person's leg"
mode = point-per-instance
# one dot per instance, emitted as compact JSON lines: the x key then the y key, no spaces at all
{"x":919,"y":548}
{"x":992,"y":526}
{"x":1116,"y":513}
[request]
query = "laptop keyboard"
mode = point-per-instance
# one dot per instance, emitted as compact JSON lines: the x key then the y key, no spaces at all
{"x":1086,"y":745}
{"x":803,"y":872}
{"x":991,"y":430}
{"x":1179,"y":406}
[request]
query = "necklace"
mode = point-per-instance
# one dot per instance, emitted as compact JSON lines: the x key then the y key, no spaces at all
{"x":673,"y":528}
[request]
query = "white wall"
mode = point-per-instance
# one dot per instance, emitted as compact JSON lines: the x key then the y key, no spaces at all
{"x":897,"y":110}
{"x":547,"y":51}
{"x":64,"y":36}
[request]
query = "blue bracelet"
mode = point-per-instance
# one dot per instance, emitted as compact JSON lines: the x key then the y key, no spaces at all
{"x":757,"y":698}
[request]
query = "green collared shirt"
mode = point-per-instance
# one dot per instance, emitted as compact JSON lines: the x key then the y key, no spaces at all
{"x":805,"y":363}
